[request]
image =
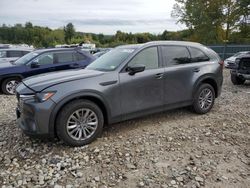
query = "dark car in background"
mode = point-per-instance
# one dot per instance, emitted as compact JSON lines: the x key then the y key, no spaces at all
{"x":101,"y":52}
{"x":41,"y":61}
{"x":240,"y":72}
{"x":127,"y":82}
{"x":230,"y":62}
{"x":12,"y":54}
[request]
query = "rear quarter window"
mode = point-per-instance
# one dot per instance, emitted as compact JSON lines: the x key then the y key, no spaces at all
{"x":197,"y":55}
{"x":25,"y":52}
{"x":63,"y":57}
{"x":79,"y":57}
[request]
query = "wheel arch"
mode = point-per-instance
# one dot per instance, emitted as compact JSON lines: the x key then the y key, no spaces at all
{"x":10,"y":76}
{"x":3,"y":78}
{"x":209,"y":80}
{"x":93,"y":97}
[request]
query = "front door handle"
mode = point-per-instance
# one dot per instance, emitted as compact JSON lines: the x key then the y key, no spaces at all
{"x":159,"y":76}
{"x":196,"y":70}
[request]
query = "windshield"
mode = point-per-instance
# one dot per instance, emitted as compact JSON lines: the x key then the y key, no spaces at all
{"x":238,"y":54}
{"x":111,"y":60}
{"x":23,"y":60}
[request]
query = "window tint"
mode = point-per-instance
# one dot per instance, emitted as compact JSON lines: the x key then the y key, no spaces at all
{"x":79,"y":57}
{"x":2,"y":54}
{"x":14,"y":53}
{"x":25,"y":52}
{"x":44,"y":59}
{"x":175,"y":55}
{"x":197,"y":55}
{"x":111,"y":60}
{"x":147,"y":57}
{"x":63,"y":57}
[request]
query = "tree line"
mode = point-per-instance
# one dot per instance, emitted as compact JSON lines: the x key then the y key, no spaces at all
{"x":208,"y":22}
{"x":215,"y":21}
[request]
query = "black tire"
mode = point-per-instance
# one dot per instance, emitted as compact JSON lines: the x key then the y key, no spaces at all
{"x":197,"y":107}
{"x":65,"y":114}
{"x":6,"y":82}
{"x":237,"y":80}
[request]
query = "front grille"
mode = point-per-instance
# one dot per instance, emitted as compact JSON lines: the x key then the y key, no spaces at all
{"x":245,"y":64}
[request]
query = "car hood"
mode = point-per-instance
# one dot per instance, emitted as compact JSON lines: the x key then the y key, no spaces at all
{"x":43,"y":81}
{"x":5,"y":65}
{"x":231,"y":59}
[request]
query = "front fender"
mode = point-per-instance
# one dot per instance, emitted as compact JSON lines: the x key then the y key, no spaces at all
{"x":67,"y":99}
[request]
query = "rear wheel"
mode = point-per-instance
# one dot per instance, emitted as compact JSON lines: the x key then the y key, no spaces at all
{"x":79,"y":123}
{"x":237,"y":80}
{"x":204,"y":99}
{"x":9,"y":85}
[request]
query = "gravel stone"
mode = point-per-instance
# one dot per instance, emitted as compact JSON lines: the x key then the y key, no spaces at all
{"x":176,"y":148}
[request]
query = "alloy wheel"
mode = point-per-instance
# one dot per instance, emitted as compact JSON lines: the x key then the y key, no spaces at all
{"x":11,"y":86}
{"x":82,"y":124}
{"x":206,"y":98}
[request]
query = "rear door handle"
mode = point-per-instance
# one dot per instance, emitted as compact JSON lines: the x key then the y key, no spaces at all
{"x":196,"y":70}
{"x":159,"y":75}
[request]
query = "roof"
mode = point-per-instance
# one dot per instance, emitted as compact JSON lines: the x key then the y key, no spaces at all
{"x":54,"y":49}
{"x":169,"y":42}
{"x":17,"y":48}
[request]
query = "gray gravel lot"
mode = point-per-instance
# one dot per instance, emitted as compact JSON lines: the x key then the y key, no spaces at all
{"x":172,"y":149}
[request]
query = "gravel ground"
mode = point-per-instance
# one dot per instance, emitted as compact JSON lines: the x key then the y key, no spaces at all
{"x":172,"y":149}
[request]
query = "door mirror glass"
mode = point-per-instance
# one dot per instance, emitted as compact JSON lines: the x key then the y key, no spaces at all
{"x":34,"y":64}
{"x":135,"y":69}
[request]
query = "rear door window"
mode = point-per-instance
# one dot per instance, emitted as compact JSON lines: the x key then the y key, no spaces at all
{"x":175,"y":55}
{"x":14,"y":53}
{"x":197,"y":55}
{"x":63,"y":57}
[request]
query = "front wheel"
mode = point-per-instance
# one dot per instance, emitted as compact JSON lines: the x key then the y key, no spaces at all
{"x":79,"y":123}
{"x":9,"y":86}
{"x":204,"y":99}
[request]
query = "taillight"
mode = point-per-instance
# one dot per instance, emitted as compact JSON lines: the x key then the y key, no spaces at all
{"x":221,"y":63}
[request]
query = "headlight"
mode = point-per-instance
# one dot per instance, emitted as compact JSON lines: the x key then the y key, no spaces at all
{"x":44,"y":96}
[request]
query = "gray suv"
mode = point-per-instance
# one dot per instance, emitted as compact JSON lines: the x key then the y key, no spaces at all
{"x":127,"y":82}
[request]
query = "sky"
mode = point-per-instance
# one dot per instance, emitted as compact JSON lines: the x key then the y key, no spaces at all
{"x":96,"y":16}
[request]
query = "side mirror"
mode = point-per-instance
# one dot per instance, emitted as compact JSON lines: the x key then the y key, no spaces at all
{"x":34,"y":64}
{"x":135,"y":69}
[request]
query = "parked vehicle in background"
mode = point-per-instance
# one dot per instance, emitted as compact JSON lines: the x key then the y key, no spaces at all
{"x":12,"y":54}
{"x":230,"y":62}
{"x":41,"y":61}
{"x":241,"y":71}
{"x":127,"y":82}
{"x":102,"y":52}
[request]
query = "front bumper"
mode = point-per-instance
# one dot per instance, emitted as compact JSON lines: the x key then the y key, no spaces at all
{"x":33,"y":117}
{"x":242,"y":74}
